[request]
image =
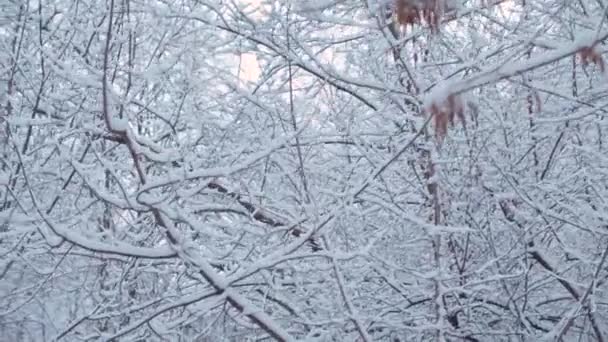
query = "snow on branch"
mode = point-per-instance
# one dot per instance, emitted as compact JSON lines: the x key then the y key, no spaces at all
{"x":443,"y":100}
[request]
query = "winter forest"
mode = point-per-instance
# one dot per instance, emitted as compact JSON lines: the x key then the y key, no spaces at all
{"x":303,"y":170}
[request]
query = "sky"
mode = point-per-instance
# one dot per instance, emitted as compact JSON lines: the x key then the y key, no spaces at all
{"x":249,"y":67}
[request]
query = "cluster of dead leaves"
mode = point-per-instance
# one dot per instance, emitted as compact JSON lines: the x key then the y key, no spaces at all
{"x":444,"y":114}
{"x":590,"y":55}
{"x":412,"y":12}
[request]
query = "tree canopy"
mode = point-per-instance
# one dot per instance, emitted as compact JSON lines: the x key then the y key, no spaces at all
{"x":319,"y":170}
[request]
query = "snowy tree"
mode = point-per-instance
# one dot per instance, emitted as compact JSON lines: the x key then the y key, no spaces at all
{"x":334,"y":170}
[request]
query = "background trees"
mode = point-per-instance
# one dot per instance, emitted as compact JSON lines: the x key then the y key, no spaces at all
{"x":410,"y":170}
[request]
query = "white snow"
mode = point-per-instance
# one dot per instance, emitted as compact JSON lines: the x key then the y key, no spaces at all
{"x":119,"y":124}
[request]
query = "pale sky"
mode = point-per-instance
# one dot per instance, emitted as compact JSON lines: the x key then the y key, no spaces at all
{"x":250,"y":69}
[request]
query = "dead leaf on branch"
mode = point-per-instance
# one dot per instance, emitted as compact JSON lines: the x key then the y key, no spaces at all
{"x":589,"y":54}
{"x":445,"y":114}
{"x":412,"y":12}
{"x":534,"y":102}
